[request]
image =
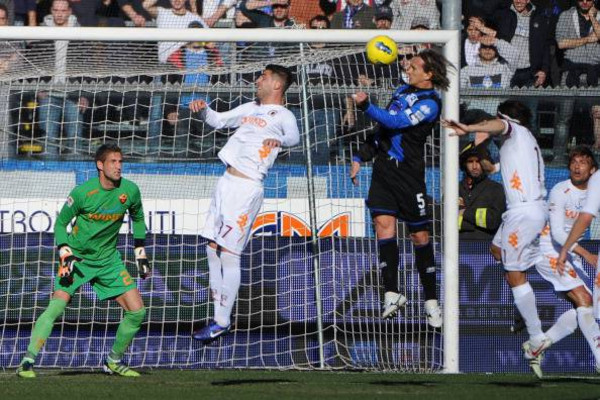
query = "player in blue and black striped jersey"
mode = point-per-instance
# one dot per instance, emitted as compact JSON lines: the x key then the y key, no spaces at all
{"x":397,"y":190}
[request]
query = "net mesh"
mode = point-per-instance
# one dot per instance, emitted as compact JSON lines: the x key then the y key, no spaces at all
{"x":56,"y":116}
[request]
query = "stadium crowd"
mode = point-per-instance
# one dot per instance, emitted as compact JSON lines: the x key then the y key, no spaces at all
{"x":506,"y":44}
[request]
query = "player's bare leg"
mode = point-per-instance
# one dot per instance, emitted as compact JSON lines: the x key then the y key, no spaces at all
{"x":41,"y":332}
{"x":385,"y":229}
{"x":134,"y":314}
{"x":582,"y":300}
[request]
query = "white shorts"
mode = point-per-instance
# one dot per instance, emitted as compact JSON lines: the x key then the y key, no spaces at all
{"x":547,"y":269}
{"x":235,"y":204}
{"x":519,"y":236}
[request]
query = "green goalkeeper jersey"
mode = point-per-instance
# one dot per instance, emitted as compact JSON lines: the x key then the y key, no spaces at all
{"x":99,"y":216}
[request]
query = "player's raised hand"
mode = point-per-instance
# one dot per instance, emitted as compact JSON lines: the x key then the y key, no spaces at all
{"x":142,"y":262}
{"x":197,"y":105}
{"x":354,"y":169}
{"x":360,"y":98}
{"x":459,"y":129}
{"x":67,"y":261}
{"x":271,"y":143}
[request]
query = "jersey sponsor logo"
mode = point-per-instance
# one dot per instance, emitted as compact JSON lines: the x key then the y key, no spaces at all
{"x":256,"y":121}
{"x":105,"y":217}
{"x":515,"y":182}
{"x":123,"y":198}
{"x":92,"y":192}
{"x":513,"y":239}
{"x":70,"y":201}
{"x":412,"y":117}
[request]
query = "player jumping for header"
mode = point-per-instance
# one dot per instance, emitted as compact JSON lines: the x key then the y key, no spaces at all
{"x":263,"y":126}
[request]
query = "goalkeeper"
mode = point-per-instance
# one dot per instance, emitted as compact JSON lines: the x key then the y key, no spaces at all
{"x":89,"y":254}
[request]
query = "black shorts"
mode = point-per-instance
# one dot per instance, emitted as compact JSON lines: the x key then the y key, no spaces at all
{"x":399,"y":192}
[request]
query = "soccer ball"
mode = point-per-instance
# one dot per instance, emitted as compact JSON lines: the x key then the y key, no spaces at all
{"x":382,"y":50}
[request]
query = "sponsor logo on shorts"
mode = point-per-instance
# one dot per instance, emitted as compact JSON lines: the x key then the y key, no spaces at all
{"x":515,"y":182}
{"x":242,"y":221}
{"x":513,"y":239}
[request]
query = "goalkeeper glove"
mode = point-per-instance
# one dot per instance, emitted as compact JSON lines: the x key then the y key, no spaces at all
{"x":67,"y":261}
{"x":142,"y":262}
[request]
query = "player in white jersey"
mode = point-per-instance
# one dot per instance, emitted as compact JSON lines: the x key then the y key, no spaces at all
{"x":522,"y":170}
{"x":566,"y":201}
{"x":263,"y":126}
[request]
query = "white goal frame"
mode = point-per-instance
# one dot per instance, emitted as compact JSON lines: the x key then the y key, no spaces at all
{"x":450,"y":171}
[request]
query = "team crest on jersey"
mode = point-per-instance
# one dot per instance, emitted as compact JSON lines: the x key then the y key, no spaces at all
{"x":411,"y":99}
{"x":123,"y":198}
{"x":70,"y":201}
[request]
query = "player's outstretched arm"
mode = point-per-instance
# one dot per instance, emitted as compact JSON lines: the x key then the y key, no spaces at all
{"x":493,"y":127}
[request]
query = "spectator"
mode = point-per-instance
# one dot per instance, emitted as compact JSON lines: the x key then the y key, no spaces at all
{"x":25,"y":13}
{"x":109,"y":13}
{"x":488,"y":72}
{"x":481,"y":202}
{"x":474,"y":32}
{"x":384,"y":18}
{"x":279,"y":18}
{"x":212,"y":11}
{"x":577,"y":33}
{"x":356,"y":15}
{"x":406,"y":11}
{"x":135,"y":13}
{"x":59,"y":108}
{"x":527,"y":29}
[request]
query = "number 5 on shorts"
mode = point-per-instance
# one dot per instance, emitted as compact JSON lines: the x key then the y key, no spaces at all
{"x":420,"y":201}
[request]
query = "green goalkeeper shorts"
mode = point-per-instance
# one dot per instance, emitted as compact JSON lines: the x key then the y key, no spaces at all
{"x":108,"y":278}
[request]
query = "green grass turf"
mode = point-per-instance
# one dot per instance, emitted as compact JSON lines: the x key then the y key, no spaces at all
{"x":314,"y":385}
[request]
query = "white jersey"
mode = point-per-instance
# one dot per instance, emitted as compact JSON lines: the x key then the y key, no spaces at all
{"x":592,"y":203}
{"x":245,"y":150}
{"x":165,"y":18}
{"x":522,"y":166}
{"x":565,"y":203}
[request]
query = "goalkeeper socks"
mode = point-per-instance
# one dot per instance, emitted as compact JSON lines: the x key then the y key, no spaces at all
{"x":425,"y":263}
{"x":388,"y":261}
{"x":129,"y":326}
{"x":589,"y":328}
{"x":525,"y":302}
{"x":565,"y":325}
{"x":231,"y":284}
{"x":215,"y":275}
{"x":43,"y":326}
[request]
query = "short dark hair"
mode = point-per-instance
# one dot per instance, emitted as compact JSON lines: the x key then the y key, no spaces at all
{"x":3,"y":7}
{"x":106,"y":148}
{"x":583,"y":151}
{"x":320,"y":18}
{"x":516,"y":110}
{"x":283,"y":73}
{"x":438,"y":65}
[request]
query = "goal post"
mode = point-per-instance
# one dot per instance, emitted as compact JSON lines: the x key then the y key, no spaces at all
{"x":448,"y":170}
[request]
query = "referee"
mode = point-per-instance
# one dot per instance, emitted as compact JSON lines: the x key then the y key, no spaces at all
{"x":397,"y":190}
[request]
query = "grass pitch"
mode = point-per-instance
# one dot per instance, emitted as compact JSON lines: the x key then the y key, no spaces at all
{"x":314,"y":385}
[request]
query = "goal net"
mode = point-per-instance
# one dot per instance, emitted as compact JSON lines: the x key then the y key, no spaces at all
{"x":311,"y":295}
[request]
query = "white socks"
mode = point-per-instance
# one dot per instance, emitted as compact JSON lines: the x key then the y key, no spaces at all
{"x":525,"y":302}
{"x":589,"y":328}
{"x":565,"y":325}
{"x":230,"y":285}
{"x":215,"y":276}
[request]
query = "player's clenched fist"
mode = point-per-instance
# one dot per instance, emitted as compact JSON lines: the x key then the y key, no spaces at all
{"x":67,"y":261}
{"x":197,"y":105}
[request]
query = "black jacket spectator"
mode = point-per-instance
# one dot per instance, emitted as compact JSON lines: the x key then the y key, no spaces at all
{"x":484,"y":205}
{"x":539,"y":35}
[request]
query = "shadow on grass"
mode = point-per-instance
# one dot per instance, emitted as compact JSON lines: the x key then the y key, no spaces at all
{"x":403,"y":383}
{"x":535,"y":384}
{"x":232,"y":382}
